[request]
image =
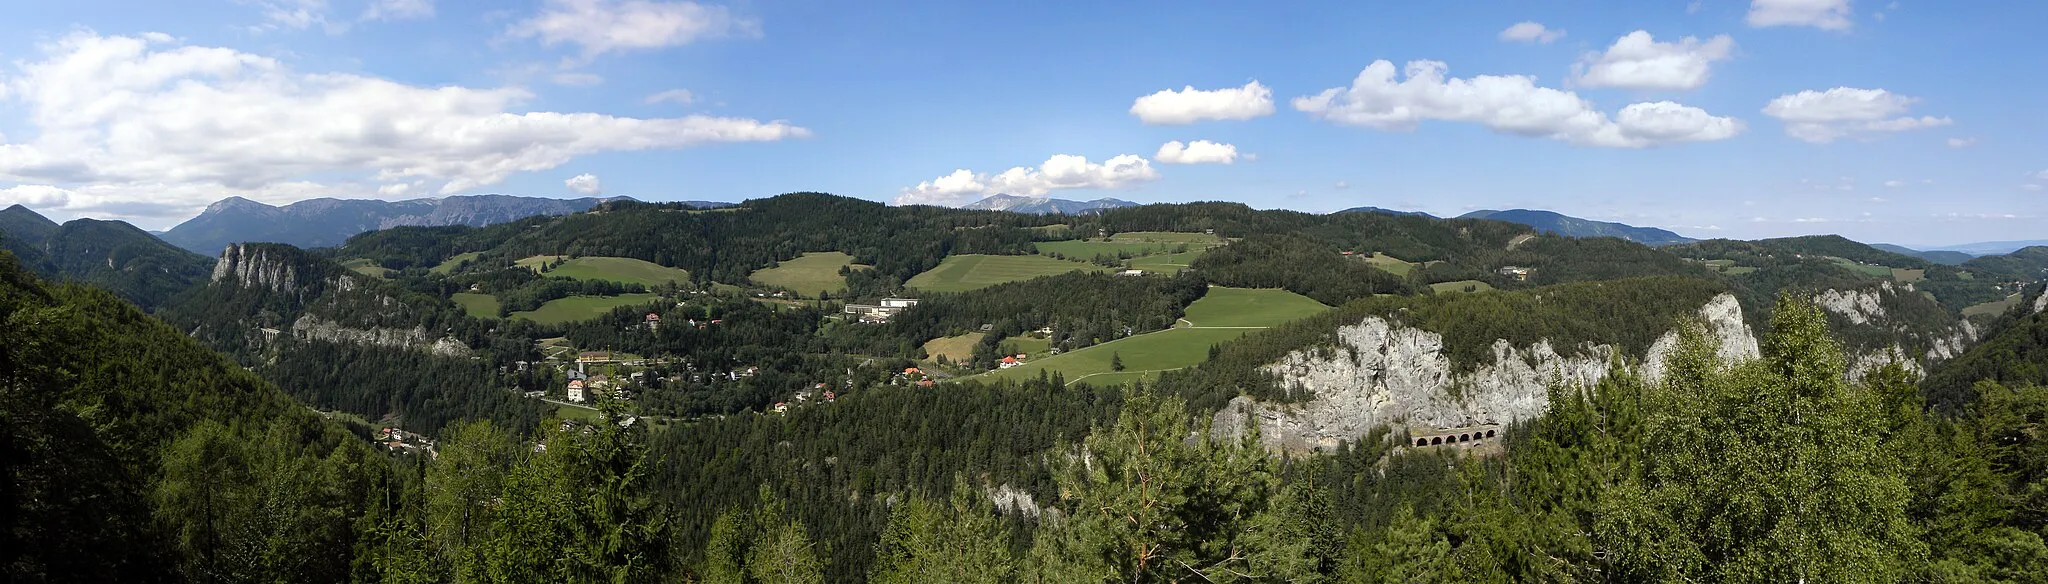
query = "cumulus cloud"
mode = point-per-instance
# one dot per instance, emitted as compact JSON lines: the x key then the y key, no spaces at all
{"x":1197,"y":152}
{"x":1961,"y":142}
{"x":1190,"y":105}
{"x":1510,"y":104}
{"x":1638,"y":61}
{"x":1894,"y":184}
{"x":602,"y":26}
{"x":1342,"y":184}
{"x":1531,"y":32}
{"x":127,"y":120}
{"x":1821,"y":14}
{"x":1062,"y":171}
{"x":399,"y":10}
{"x":1824,"y":116}
{"x":2031,"y":187}
{"x":585,"y":183}
{"x":675,"y":96}
{"x":291,"y":14}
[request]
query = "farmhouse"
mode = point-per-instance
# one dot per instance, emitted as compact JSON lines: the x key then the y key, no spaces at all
{"x":1131,"y":273}
{"x":653,"y":321}
{"x":593,"y":356}
{"x":1009,"y":362}
{"x":1520,"y":274}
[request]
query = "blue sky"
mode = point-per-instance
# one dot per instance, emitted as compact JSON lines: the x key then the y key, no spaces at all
{"x":1908,"y":122}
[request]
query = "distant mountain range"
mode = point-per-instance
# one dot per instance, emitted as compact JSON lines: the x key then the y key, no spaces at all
{"x":1953,"y":258}
{"x":1387,"y":212}
{"x":1016,"y":204}
{"x":1560,"y":224}
{"x":1986,"y":248}
{"x":110,"y":254}
{"x":329,"y":222}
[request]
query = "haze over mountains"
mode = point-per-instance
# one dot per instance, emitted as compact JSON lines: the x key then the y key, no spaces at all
{"x":1043,"y":205}
{"x":328,"y":222}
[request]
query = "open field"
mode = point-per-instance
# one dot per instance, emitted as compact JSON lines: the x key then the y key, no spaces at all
{"x":1459,"y":286}
{"x":1391,"y":264}
{"x":1084,"y":249}
{"x":961,"y":273}
{"x":452,"y":263}
{"x":1171,"y":263}
{"x":477,"y":305}
{"x":1028,"y":345}
{"x":574,"y":412}
{"x":1907,"y":276}
{"x":579,"y":308}
{"x":1879,"y":271}
{"x":956,"y":349}
{"x":1221,"y":316}
{"x":1993,"y":308}
{"x":534,"y":263}
{"x":808,"y":274}
{"x":621,"y":270}
{"x":365,"y":267}
{"x":1167,"y":237}
{"x":1249,"y":307}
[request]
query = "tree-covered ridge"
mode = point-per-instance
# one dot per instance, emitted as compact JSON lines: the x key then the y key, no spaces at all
{"x":110,"y":254}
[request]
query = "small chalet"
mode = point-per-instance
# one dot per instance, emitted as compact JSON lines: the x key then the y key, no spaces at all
{"x":1520,"y":274}
{"x":1131,"y":273}
{"x":1009,"y":362}
{"x":653,"y":321}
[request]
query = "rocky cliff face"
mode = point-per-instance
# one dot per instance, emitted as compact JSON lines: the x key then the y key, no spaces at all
{"x":309,"y":327}
{"x":1379,"y":373}
{"x":1866,"y":308}
{"x":255,"y":267}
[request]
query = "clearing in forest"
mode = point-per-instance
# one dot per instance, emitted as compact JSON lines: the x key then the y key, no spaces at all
{"x":477,"y":305}
{"x":581,"y":308}
{"x":1390,"y":264}
{"x":454,"y":262}
{"x":955,"y":349}
{"x":621,"y":270}
{"x":809,"y":274}
{"x":366,"y":267}
{"x":961,"y":273}
{"x":1460,"y":286}
{"x":1171,"y":263}
{"x":1993,"y":308}
{"x":1221,"y":316}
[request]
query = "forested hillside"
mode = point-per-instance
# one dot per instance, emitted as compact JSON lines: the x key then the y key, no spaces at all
{"x":110,"y":254}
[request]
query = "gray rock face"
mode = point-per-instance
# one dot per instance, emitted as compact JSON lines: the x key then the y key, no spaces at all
{"x":313,"y":328}
{"x":1379,"y":374}
{"x":1865,"y":307}
{"x":254,"y":268}
{"x":1859,"y":306}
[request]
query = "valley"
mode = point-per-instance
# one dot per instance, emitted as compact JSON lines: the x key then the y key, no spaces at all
{"x":960,"y":346}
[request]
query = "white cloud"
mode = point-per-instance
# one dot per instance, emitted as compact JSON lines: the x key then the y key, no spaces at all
{"x":1062,"y":171}
{"x":1511,"y":104}
{"x":2043,"y":175}
{"x":1821,"y":14}
{"x":1190,"y":105}
{"x":1961,"y":142}
{"x":1196,"y":152}
{"x":399,"y":10}
{"x":291,"y":14}
{"x":676,"y":96}
{"x":1824,"y":116}
{"x":1531,"y":32}
{"x":585,"y":183}
{"x":1894,"y":183}
{"x":602,"y":26}
{"x":1638,"y":61}
{"x":576,"y":79}
{"x":2031,"y":187}
{"x":130,"y":121}
{"x":1343,"y":184}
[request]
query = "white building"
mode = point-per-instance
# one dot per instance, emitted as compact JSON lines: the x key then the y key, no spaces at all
{"x":576,"y":391}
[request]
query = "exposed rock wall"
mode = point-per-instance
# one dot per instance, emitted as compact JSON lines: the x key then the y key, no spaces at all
{"x":1379,"y":373}
{"x":312,"y":328}
{"x":255,"y":268}
{"x":1859,"y":306}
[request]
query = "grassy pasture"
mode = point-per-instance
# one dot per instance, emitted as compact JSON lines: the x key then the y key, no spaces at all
{"x":961,"y":273}
{"x":581,"y":308}
{"x":1906,"y":276}
{"x":1391,"y":264}
{"x":1459,"y":286}
{"x":1234,"y":312}
{"x":621,"y":270}
{"x":1167,"y":237}
{"x":1167,"y":263}
{"x":808,"y":274}
{"x":1993,"y":308}
{"x":365,"y":267}
{"x":477,"y":305}
{"x":452,"y":263}
{"x":956,"y":348}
